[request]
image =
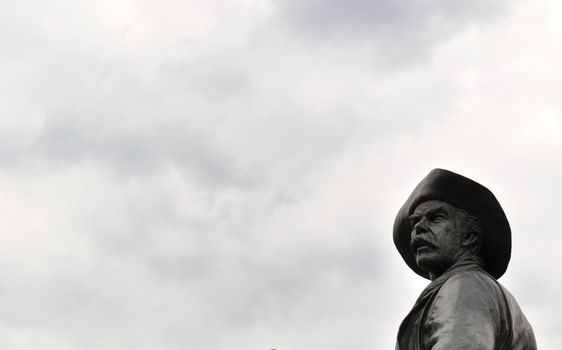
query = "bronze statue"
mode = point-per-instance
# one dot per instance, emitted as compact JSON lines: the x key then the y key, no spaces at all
{"x":453,"y":231}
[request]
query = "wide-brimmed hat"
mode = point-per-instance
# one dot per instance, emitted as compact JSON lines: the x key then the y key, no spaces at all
{"x":464,"y":193}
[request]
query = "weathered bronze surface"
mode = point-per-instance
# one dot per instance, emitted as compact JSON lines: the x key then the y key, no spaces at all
{"x":454,"y":232}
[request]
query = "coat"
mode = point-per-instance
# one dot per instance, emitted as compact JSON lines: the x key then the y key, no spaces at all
{"x":465,"y":308}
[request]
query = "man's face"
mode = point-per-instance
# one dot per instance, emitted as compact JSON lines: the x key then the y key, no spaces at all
{"x":436,"y":238}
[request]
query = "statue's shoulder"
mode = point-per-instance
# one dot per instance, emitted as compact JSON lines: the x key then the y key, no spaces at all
{"x":476,"y":292}
{"x":473,"y":285}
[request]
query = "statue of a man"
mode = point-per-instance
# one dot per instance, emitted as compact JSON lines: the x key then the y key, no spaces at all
{"x":454,"y":232}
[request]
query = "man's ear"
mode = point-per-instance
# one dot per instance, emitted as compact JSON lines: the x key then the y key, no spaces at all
{"x":472,"y":241}
{"x":469,"y":239}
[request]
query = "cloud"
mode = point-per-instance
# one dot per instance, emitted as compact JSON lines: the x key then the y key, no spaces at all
{"x":400,"y":31}
{"x":138,"y":151}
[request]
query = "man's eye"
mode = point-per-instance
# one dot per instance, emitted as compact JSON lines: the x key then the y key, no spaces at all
{"x":437,"y":217}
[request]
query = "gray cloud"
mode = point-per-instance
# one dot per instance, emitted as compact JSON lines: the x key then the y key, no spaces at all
{"x":66,"y":140}
{"x":399,"y":31}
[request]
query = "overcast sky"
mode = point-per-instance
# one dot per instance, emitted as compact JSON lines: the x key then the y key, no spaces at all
{"x":224,"y":175}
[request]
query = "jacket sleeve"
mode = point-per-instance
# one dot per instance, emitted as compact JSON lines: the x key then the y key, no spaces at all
{"x":465,"y":314}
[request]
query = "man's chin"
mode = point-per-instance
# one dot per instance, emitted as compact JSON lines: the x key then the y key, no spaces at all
{"x":429,"y":263}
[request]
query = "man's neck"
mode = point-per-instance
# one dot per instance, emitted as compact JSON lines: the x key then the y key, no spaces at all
{"x":466,"y":261}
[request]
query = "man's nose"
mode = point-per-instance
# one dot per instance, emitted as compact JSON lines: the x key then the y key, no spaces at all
{"x":420,"y":227}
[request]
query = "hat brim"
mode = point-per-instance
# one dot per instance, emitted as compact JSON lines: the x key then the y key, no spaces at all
{"x":466,"y":194}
